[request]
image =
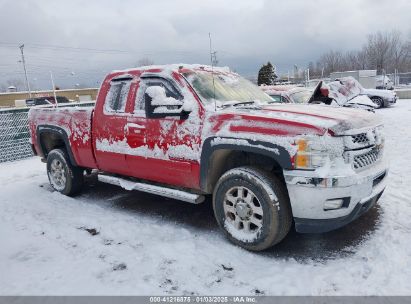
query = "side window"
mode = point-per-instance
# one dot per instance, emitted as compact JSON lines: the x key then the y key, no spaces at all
{"x":116,"y":98}
{"x":276,"y":98}
{"x":170,"y":91}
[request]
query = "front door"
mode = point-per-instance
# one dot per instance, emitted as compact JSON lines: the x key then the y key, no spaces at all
{"x":171,"y":149}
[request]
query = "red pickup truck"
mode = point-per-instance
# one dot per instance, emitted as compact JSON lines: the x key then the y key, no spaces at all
{"x":187,"y":131}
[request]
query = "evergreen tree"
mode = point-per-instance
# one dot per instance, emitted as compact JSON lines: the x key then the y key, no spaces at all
{"x":267,"y":74}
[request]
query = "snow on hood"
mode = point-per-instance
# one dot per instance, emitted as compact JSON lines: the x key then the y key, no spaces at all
{"x":336,"y":119}
{"x":362,"y":100}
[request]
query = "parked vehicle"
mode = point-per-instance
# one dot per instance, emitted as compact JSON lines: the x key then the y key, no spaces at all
{"x":384,"y":83}
{"x":293,"y":95}
{"x":46,"y":100}
{"x":381,"y":98}
{"x":329,"y":94}
{"x":348,"y":91}
{"x":186,"y":132}
{"x":343,"y":93}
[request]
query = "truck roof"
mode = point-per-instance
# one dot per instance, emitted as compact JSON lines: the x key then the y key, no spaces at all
{"x":177,"y":67}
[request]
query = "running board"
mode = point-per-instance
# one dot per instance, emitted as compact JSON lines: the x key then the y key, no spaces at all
{"x":153,"y":189}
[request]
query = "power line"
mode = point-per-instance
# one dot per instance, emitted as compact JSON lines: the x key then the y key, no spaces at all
{"x":96,"y":50}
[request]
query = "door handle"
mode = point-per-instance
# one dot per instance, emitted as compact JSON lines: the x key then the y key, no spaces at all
{"x":133,"y":128}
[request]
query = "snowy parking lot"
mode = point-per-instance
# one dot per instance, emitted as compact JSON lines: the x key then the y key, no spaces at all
{"x":111,"y":241}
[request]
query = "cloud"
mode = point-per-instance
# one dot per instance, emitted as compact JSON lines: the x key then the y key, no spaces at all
{"x":245,"y":33}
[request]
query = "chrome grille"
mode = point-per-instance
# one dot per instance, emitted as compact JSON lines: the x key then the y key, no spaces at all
{"x":359,"y":138}
{"x":364,"y":160}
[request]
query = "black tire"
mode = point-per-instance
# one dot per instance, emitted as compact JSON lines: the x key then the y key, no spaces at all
{"x":272,"y":197}
{"x":68,"y":179}
{"x":379,"y":102}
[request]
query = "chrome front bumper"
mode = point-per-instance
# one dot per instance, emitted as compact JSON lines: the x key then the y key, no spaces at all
{"x":309,"y":193}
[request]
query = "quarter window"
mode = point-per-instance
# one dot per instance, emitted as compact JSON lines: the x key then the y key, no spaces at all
{"x":116,"y":98}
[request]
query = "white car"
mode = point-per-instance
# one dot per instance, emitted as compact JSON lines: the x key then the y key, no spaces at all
{"x":382,"y":98}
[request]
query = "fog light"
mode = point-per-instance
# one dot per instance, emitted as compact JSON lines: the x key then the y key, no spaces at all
{"x":333,"y":204}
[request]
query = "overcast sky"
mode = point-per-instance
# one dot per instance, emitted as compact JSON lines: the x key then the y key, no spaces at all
{"x":105,"y":35}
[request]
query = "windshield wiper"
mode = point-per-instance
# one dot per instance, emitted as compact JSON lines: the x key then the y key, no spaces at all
{"x":233,"y":104}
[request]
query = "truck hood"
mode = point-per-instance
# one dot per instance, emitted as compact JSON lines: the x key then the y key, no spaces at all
{"x":295,"y":119}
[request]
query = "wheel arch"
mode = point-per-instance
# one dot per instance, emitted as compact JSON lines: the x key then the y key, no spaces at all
{"x":375,"y":96}
{"x":219,"y":157}
{"x":51,"y":137}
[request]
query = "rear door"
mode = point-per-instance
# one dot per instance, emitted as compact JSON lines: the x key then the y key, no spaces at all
{"x":110,"y":124}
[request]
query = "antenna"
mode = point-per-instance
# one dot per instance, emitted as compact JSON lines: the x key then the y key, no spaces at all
{"x":54,"y":89}
{"x":212,"y":71}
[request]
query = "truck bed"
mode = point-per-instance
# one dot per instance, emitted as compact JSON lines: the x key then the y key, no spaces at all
{"x":74,"y":123}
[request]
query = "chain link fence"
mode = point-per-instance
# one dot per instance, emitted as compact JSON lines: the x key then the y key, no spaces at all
{"x":400,"y":79}
{"x":15,"y":134}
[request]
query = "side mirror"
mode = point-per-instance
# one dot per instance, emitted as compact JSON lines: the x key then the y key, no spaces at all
{"x":158,"y":104}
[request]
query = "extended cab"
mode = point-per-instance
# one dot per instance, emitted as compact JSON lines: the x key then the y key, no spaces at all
{"x":189,"y":131}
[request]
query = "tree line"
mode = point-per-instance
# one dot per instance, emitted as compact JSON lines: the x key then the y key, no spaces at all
{"x":383,"y":51}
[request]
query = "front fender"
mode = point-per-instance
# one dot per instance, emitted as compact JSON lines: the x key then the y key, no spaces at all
{"x":278,"y":153}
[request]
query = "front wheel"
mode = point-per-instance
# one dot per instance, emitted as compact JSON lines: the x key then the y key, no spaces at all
{"x":63,"y":176}
{"x":378,"y":102}
{"x":252,"y":207}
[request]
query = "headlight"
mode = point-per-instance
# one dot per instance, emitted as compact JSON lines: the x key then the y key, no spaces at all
{"x":309,"y":156}
{"x":379,"y":136}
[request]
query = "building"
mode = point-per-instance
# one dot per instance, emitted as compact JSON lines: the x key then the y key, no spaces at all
{"x":9,"y":99}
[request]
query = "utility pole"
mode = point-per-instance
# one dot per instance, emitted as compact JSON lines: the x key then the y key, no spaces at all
{"x":25,"y":70}
{"x":214,"y":59}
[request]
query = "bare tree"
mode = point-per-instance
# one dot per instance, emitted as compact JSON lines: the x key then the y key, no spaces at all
{"x":399,"y":52}
{"x":362,"y":59}
{"x":379,"y":50}
{"x":350,"y":61}
{"x":383,"y":51}
{"x":331,"y":61}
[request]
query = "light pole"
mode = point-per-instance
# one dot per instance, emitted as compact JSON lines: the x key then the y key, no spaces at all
{"x":25,"y":70}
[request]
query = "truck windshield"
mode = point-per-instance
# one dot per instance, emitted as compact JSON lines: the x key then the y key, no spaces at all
{"x":227,"y":88}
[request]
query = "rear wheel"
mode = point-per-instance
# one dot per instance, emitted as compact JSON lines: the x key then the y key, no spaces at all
{"x":63,"y":176}
{"x":379,"y":102}
{"x":252,"y":207}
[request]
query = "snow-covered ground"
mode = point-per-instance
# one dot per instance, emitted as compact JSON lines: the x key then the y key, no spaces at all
{"x":144,"y":244}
